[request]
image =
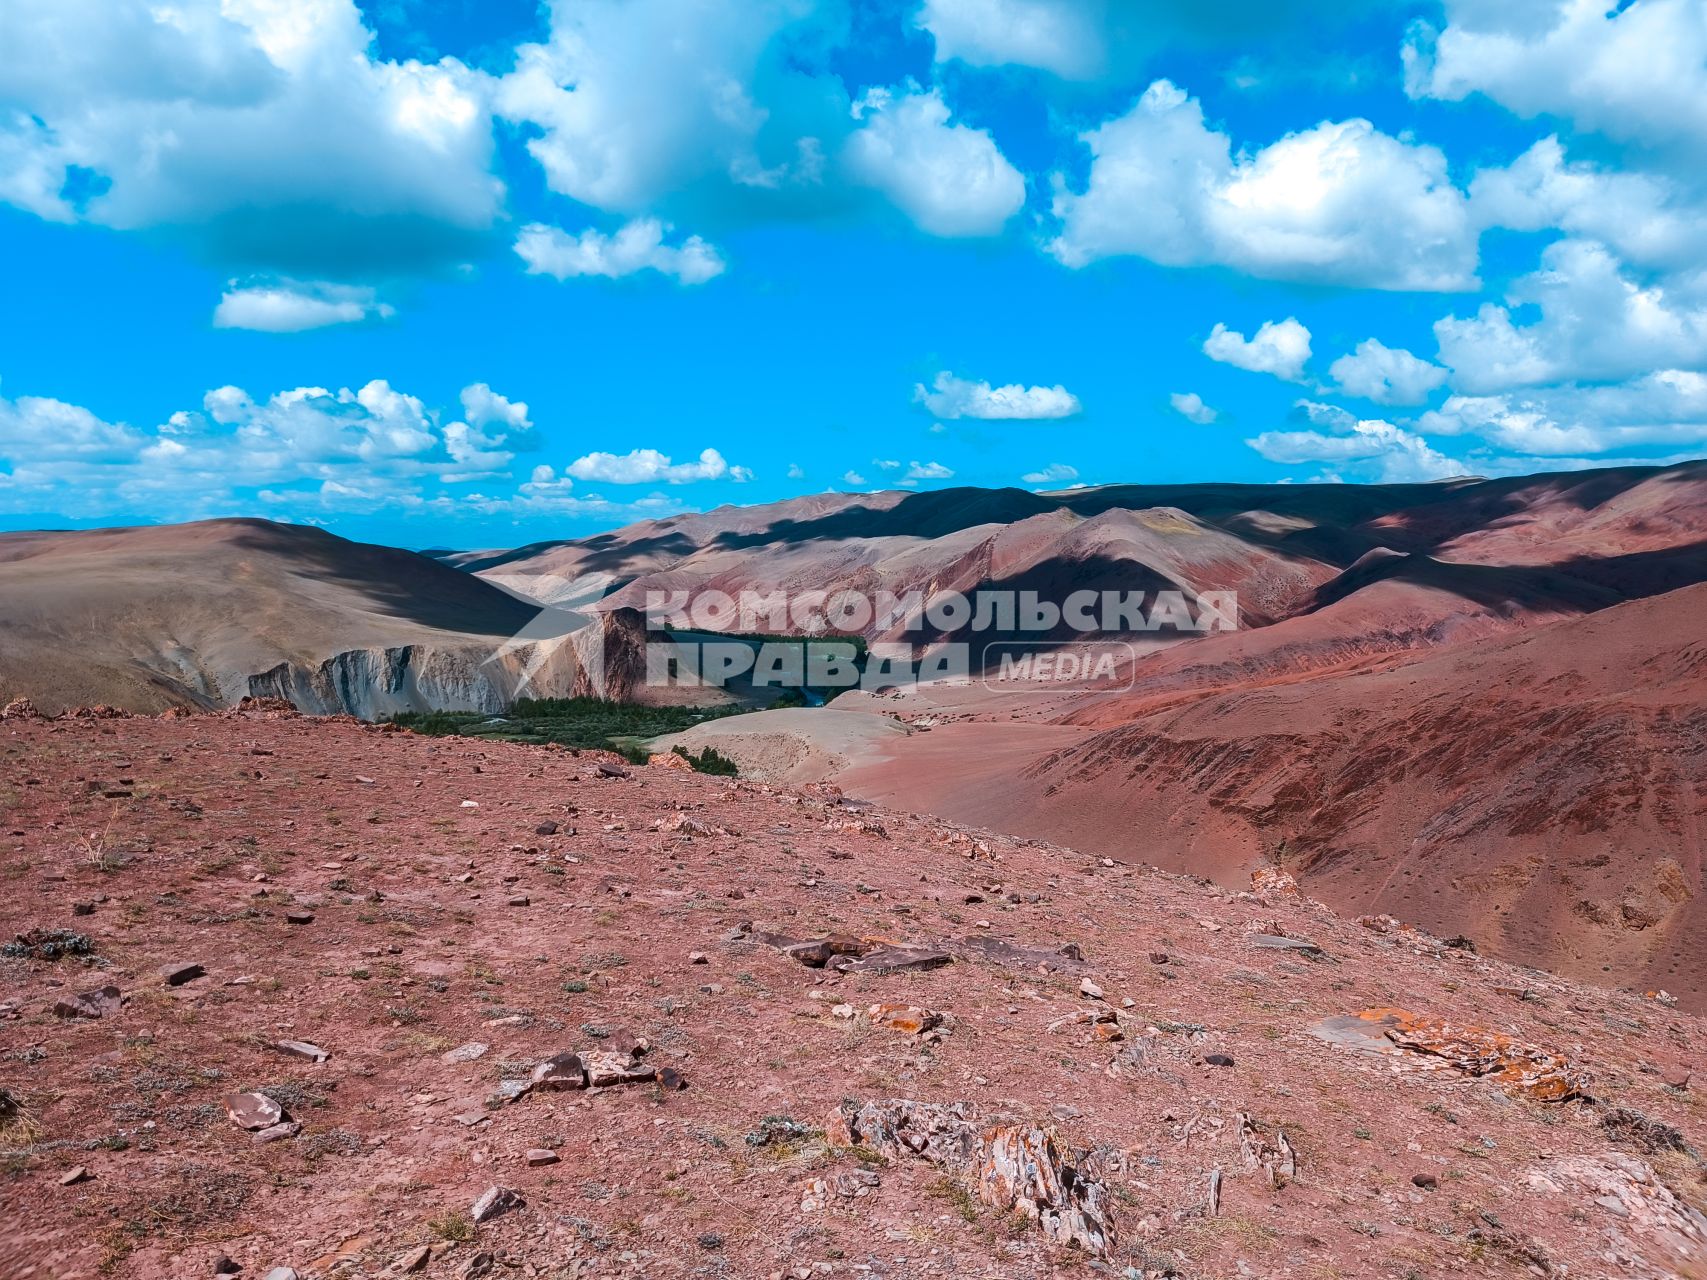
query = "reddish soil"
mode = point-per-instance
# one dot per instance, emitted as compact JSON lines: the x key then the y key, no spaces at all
{"x":195,"y":839}
{"x":1542,"y":792}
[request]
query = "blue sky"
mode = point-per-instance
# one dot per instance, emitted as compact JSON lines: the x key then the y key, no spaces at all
{"x":448,"y":272}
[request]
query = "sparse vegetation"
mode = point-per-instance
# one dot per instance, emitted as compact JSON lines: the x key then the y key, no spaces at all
{"x":453,"y":1226}
{"x":582,"y":723}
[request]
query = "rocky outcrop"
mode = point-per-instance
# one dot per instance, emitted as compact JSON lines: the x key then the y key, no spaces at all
{"x":1012,"y":1167}
{"x":371,"y":683}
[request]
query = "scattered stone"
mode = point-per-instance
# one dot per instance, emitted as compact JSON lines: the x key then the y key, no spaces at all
{"x":1276,"y":1161}
{"x":1218,"y":1059}
{"x":698,"y":957}
{"x":224,"y":1266}
{"x":560,"y":1073}
{"x":176,"y":975}
{"x":479,"y":1265}
{"x":1014,"y":955}
{"x":904,"y":1017}
{"x":509,"y":1091}
{"x":252,"y":1110}
{"x":1272,"y":880}
{"x":541,"y":1156}
{"x":91,"y":1004}
{"x":276,"y":1132}
{"x":72,"y":1176}
{"x":547,"y":829}
{"x":520,"y":900}
{"x":893,"y":960}
{"x":852,"y":1186}
{"x":683,"y":824}
{"x":670,"y":1078}
{"x":1521,"y":1069}
{"x":299,"y":917}
{"x":468,"y":1119}
{"x":1089,"y":989}
{"x":300,"y":1049}
{"x":280,"y":1273}
{"x":1631,"y":1127}
{"x":82,"y":908}
{"x":817,"y":952}
{"x":466,"y":1052}
{"x":1011,"y":1166}
{"x":1158,"y":957}
{"x":1299,"y":946}
{"x":607,"y":1067}
{"x":607,"y":770}
{"x":495,"y":1201}
{"x":1425,"y":1181}
{"x":413,"y":1260}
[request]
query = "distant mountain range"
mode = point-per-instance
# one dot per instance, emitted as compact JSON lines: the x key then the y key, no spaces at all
{"x":1479,"y":704}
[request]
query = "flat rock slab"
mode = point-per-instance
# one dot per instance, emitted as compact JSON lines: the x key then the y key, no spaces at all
{"x":606,"y":1067}
{"x":300,"y":1049}
{"x":467,"y":1052}
{"x":176,"y":975}
{"x":91,"y":1004}
{"x":508,"y":1091}
{"x":252,"y":1110}
{"x":276,"y":1132}
{"x":495,"y":1201}
{"x":1066,"y":958}
{"x":1348,"y":1031}
{"x":893,"y":960}
{"x":560,"y":1073}
{"x":1300,"y":946}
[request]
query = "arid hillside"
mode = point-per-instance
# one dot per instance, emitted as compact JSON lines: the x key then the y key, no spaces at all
{"x":1478,"y":705}
{"x":307,"y":998}
{"x":204,"y":614}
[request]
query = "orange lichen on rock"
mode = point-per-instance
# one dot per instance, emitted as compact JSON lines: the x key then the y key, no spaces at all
{"x":1520,"y":1068}
{"x":1273,"y":880}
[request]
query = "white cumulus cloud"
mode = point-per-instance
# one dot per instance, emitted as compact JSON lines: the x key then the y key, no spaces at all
{"x":1280,"y":347}
{"x":1668,"y":407}
{"x":1384,"y":451}
{"x":1339,"y":203}
{"x":1062,"y":36}
{"x":371,"y":446}
{"x":951,"y":180}
{"x":1189,"y":404}
{"x":1386,"y":375}
{"x":266,"y":134}
{"x":928,"y":471}
{"x":1054,"y":473}
{"x":637,"y":246}
{"x":1596,"y":321}
{"x":1633,"y":72}
{"x":637,"y":101}
{"x":649,"y":466}
{"x":291,"y":307}
{"x":952,"y":397}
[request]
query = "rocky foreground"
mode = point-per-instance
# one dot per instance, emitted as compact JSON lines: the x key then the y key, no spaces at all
{"x":296,"y":997}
